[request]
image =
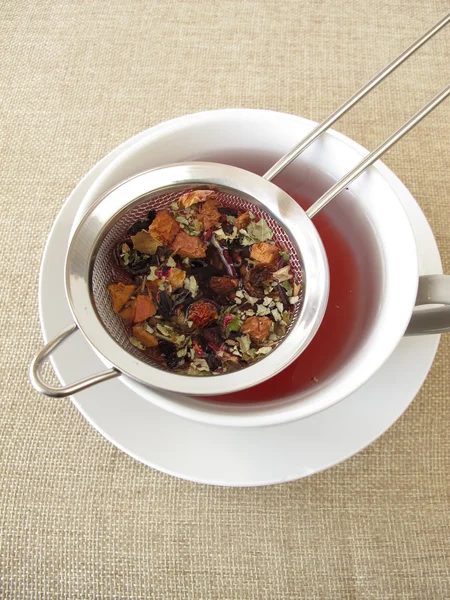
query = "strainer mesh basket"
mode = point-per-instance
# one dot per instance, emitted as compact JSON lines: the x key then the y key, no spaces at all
{"x":105,"y":270}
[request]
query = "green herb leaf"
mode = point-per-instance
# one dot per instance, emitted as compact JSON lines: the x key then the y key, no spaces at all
{"x":144,"y":242}
{"x":137,"y":343}
{"x":234,"y":325}
{"x":170,"y":262}
{"x":244,"y":343}
{"x":190,"y":283}
{"x":288,"y":287}
{"x":283,"y":274}
{"x":264,"y":350}
{"x":260,"y":231}
{"x":152,"y":275}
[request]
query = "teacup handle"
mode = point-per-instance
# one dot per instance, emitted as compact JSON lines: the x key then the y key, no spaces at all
{"x":433,"y":289}
{"x":64,"y":390}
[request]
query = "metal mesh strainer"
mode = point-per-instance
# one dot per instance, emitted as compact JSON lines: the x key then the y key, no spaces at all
{"x":90,"y":267}
{"x":106,"y":271}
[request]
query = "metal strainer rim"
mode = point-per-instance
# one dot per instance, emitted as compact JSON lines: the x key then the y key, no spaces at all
{"x":281,"y":206}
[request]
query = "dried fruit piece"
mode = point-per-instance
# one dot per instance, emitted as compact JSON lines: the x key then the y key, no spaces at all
{"x":258,"y":328}
{"x":265,"y":253}
{"x":202,"y":313}
{"x":164,"y":228}
{"x":120,"y":294}
{"x":259,"y":274}
{"x":144,"y":337}
{"x":144,"y":242}
{"x":223,"y":285}
{"x":128,"y":312}
{"x":208,"y":215}
{"x":188,"y":246}
{"x":242,"y":221}
{"x":145,"y":308}
{"x":176,"y":278}
{"x":194,"y":197}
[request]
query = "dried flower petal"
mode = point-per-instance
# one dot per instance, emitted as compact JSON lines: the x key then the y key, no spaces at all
{"x":194,"y":197}
{"x":145,"y":242}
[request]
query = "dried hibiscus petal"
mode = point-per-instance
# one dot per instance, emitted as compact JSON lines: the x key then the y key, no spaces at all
{"x":165,"y":304}
{"x":138,"y":226}
{"x":202,"y":313}
{"x":224,"y":256}
{"x":169,"y":351}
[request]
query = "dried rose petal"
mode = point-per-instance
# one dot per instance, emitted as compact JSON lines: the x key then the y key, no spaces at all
{"x":194,"y":197}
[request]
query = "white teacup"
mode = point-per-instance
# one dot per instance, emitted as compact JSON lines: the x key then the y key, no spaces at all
{"x":379,"y":273}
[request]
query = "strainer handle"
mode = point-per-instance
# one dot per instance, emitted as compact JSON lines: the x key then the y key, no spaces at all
{"x":64,"y":390}
{"x":348,"y":104}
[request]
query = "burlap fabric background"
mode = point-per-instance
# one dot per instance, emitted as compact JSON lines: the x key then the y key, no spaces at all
{"x":80,"y":519}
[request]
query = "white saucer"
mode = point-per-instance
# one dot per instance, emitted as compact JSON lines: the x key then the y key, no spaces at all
{"x":224,"y":455}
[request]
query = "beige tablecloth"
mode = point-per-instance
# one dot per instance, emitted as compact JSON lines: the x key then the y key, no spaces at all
{"x":80,"y":519}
